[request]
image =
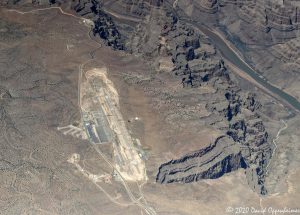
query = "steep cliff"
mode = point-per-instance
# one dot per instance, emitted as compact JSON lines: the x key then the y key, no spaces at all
{"x":245,"y":141}
{"x":174,"y":46}
{"x":220,"y":157}
{"x":171,"y":45}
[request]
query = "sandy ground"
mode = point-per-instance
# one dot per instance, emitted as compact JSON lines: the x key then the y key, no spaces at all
{"x":42,"y":181}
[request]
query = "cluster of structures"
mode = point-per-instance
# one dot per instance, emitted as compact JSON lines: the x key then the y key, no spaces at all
{"x":104,"y":123}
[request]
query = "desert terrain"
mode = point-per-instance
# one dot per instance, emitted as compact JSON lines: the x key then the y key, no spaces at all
{"x":124,"y":108}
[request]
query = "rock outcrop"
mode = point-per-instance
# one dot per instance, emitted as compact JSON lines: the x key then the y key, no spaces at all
{"x":220,"y":157}
{"x":170,"y":44}
{"x":245,"y":141}
{"x":164,"y":39}
{"x":244,"y":145}
{"x":104,"y":26}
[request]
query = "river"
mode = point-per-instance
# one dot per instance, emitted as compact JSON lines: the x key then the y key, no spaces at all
{"x":233,"y":57}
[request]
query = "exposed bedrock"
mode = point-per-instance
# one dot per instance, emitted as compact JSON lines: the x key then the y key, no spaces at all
{"x":186,"y":53}
{"x":244,"y":145}
{"x":220,"y":157}
{"x":253,"y":21}
{"x":195,"y":61}
{"x":265,"y":32}
{"x":180,"y":51}
{"x":104,"y":26}
{"x":236,"y":113}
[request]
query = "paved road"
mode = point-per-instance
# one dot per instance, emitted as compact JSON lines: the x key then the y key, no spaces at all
{"x":141,"y":201}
